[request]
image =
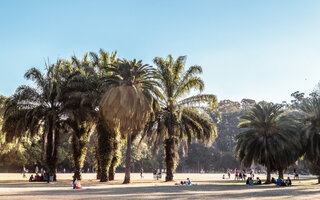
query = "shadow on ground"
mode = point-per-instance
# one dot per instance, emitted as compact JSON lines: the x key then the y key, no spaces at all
{"x":169,"y":192}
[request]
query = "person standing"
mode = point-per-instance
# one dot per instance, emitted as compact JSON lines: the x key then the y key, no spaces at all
{"x":228,"y":172}
{"x":236,"y":174}
{"x":37,"y":169}
{"x":24,"y":172}
{"x":141,"y":173}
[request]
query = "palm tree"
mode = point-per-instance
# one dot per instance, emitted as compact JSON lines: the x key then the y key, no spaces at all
{"x":126,"y":104}
{"x":85,"y":88}
{"x":31,"y":108}
{"x":268,"y":137}
{"x":79,"y":108}
{"x":180,"y":119}
{"x":108,"y":143}
{"x":309,"y":121}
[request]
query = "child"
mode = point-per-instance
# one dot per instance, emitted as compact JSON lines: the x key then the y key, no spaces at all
{"x":76,"y":184}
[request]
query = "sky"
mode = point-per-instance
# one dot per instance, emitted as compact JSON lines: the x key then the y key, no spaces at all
{"x":263,"y":50}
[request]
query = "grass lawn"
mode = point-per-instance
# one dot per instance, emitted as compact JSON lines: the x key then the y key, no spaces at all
{"x":210,"y":186}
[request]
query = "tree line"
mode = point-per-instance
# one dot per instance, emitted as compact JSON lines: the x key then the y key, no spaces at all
{"x":119,"y":107}
{"x":115,"y":100}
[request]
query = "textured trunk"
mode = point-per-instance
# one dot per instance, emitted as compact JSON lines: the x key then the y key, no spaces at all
{"x":77,"y":172}
{"x":170,"y":160}
{"x":76,"y":154}
{"x":98,"y":173}
{"x":128,"y":160}
{"x":80,"y":140}
{"x":280,"y":173}
{"x":116,"y":156}
{"x":111,"y":173}
{"x":105,"y":149}
{"x":98,"y":168}
{"x":52,"y":138}
{"x":171,"y":151}
{"x":268,"y":181}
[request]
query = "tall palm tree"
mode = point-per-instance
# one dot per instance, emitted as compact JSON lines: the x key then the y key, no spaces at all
{"x":309,"y":120}
{"x":180,"y":119}
{"x":127,"y":103}
{"x":78,"y":102}
{"x":30,"y":108}
{"x":86,"y":86}
{"x":108,"y":149}
{"x":268,"y":137}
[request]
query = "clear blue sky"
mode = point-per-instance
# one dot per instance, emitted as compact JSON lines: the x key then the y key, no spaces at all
{"x":263,"y":50}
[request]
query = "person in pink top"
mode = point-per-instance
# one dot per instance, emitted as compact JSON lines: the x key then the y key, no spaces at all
{"x":236,"y":172}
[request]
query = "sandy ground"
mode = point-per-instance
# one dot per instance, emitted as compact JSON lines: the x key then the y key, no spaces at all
{"x":209,"y":186}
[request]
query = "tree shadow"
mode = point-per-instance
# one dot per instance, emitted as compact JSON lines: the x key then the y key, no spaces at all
{"x":168,"y":192}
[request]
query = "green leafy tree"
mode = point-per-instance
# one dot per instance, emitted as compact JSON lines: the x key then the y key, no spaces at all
{"x":268,"y":137}
{"x":180,"y":119}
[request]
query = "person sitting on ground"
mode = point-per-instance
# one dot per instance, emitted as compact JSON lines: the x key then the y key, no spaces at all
{"x":273,"y":180}
{"x":223,"y":177}
{"x":76,"y":184}
{"x":258,"y":181}
{"x":247,"y":182}
{"x":31,"y":178}
{"x":288,"y":181}
{"x":283,"y":183}
{"x":188,"y":181}
{"x":37,"y":178}
{"x":279,"y":180}
{"x":250,"y":181}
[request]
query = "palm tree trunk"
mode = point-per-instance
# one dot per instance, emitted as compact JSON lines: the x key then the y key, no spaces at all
{"x":80,"y":140}
{"x":128,"y":160}
{"x":97,"y":162}
{"x":76,"y":154}
{"x":98,"y":172}
{"x":171,"y":157}
{"x":268,"y":181}
{"x":116,"y":156}
{"x":280,"y":173}
{"x":52,"y":138}
{"x":111,"y":173}
{"x":105,"y":149}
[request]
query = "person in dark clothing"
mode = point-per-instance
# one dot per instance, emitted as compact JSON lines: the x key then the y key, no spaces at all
{"x":288,"y":181}
{"x":258,"y":181}
{"x":31,"y":178}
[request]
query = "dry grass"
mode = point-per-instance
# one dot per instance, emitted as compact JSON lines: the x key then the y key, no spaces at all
{"x":210,"y":186}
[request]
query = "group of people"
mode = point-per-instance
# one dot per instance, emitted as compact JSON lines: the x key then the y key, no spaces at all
{"x":281,"y":182}
{"x":187,"y":182}
{"x":37,"y":178}
{"x":250,"y":181}
{"x":157,"y":174}
{"x":241,"y":174}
